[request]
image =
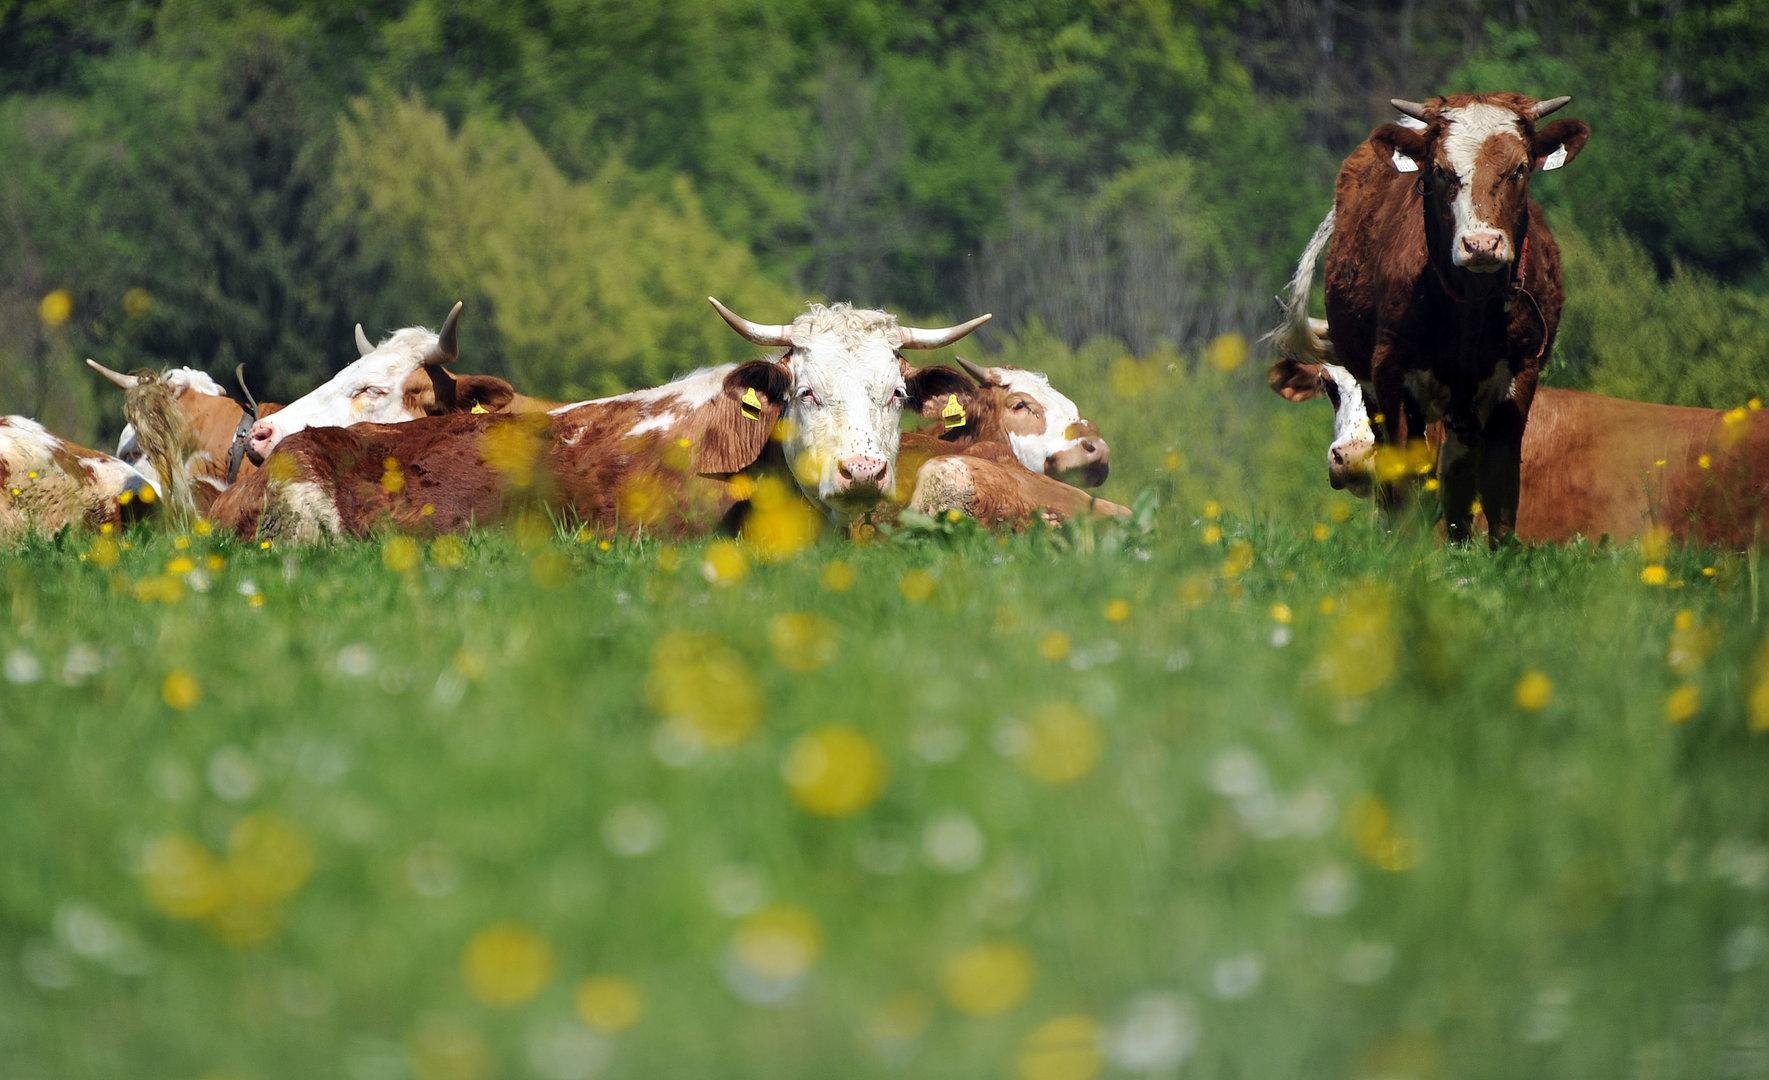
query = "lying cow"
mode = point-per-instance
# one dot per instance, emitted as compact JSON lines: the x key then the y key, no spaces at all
{"x":1596,"y":466}
{"x":48,"y":484}
{"x":207,"y":433}
{"x":1443,"y":286}
{"x":659,"y":458}
{"x":403,"y":378}
{"x":210,"y":432}
{"x":1015,"y":414}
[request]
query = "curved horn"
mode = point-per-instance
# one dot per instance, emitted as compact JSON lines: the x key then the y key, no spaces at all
{"x":758,"y":333}
{"x":914,"y":337}
{"x":126,"y":382}
{"x":980,"y":374}
{"x":1410,"y":108}
{"x":448,"y":345}
{"x":1543,"y":108}
{"x":363,"y":345}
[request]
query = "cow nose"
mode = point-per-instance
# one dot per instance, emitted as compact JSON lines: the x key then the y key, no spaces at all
{"x":862,"y":469}
{"x":1483,"y":247}
{"x":1348,"y":465}
{"x":259,"y":440}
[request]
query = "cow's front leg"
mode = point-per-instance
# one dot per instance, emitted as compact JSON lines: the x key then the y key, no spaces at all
{"x":1501,"y":463}
{"x":1395,"y":422}
{"x":1457,"y":477}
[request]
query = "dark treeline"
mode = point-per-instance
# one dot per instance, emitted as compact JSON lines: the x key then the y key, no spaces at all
{"x":207,"y":182}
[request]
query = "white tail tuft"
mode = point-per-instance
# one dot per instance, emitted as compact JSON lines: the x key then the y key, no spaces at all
{"x":1299,"y":336}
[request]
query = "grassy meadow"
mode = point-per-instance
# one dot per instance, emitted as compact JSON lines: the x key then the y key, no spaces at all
{"x":1256,"y":789}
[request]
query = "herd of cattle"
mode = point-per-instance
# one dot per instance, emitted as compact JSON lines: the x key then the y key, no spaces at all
{"x":1443,"y":294}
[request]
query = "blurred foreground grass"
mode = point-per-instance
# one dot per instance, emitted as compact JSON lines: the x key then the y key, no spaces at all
{"x":1266,"y":798}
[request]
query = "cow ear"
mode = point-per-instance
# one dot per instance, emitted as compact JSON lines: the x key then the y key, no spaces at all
{"x":1405,"y":145}
{"x":743,"y":417}
{"x":1294,"y":380}
{"x":1558,"y":143}
{"x":482,"y":393}
{"x":930,"y":388}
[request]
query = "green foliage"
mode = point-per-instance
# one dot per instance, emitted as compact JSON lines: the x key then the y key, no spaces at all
{"x":1686,"y":341}
{"x":592,"y":286}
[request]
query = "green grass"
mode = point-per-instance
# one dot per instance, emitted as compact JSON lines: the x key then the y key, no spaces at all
{"x":1337,"y":847}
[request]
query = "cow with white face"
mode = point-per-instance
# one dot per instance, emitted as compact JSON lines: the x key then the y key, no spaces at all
{"x":843,"y":384}
{"x":48,"y":483}
{"x":404,"y":377}
{"x":1045,"y":429}
{"x":1352,"y":455}
{"x":1444,"y":289}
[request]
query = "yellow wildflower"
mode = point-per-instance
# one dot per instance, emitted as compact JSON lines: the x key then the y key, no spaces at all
{"x":988,"y":979}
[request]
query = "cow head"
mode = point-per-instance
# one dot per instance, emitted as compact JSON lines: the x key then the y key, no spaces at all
{"x":1476,"y":153}
{"x":1352,"y":455}
{"x":1043,"y":427}
{"x":839,"y":391}
{"x":48,"y":483}
{"x":210,"y":416}
{"x":404,"y":377}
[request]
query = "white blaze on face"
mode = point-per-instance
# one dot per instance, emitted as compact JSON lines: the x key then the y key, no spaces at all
{"x":371,"y":390}
{"x":845,"y":403}
{"x":1060,"y":416}
{"x":1466,"y":131}
{"x":1351,"y":419}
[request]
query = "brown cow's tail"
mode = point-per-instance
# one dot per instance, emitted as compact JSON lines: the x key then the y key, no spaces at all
{"x":1299,"y":336}
{"x":165,"y":438}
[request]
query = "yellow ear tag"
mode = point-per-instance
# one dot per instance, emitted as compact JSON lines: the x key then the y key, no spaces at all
{"x":752,"y":405}
{"x":953,"y":413}
{"x":480,"y":408}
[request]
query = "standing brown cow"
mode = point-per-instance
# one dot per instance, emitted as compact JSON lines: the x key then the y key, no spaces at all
{"x":1444,"y":287}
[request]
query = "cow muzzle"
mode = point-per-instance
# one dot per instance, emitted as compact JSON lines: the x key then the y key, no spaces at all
{"x":260,"y":441}
{"x":861,"y":478}
{"x":1482,"y":251}
{"x":1086,"y":462}
{"x":1350,"y":464}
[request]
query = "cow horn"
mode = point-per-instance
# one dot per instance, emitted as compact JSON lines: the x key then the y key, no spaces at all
{"x":981,"y":374}
{"x":126,"y":382}
{"x":1410,"y":108}
{"x":757,"y":333}
{"x":448,"y":346}
{"x":363,"y":345}
{"x":1543,"y":108}
{"x":914,"y":337}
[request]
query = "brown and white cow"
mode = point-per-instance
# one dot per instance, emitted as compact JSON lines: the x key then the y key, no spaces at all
{"x":1596,"y":466}
{"x":826,"y":412}
{"x":206,"y":431}
{"x":1020,"y":412}
{"x":211,"y":425}
{"x":404,"y":377}
{"x":664,"y":460}
{"x":48,"y":484}
{"x":1443,"y":286}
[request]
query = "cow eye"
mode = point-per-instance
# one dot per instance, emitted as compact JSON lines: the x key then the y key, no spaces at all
{"x":1019,"y":406}
{"x":900,"y":396}
{"x":369,"y":391}
{"x":808,"y":395}
{"x":1519,"y":173}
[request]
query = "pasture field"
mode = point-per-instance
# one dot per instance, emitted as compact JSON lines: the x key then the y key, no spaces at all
{"x":1246,"y":795}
